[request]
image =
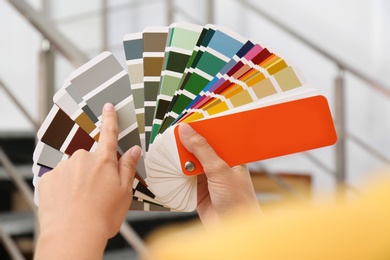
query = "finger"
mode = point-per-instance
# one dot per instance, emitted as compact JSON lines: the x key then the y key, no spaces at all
{"x":198,"y":145}
{"x":240,"y":168}
{"x":108,"y":140}
{"x":128,"y":166}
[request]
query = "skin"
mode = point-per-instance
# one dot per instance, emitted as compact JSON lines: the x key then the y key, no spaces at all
{"x":84,"y":200}
{"x":217,"y":196}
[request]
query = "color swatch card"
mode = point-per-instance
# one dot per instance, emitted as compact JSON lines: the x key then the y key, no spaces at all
{"x":249,"y":103}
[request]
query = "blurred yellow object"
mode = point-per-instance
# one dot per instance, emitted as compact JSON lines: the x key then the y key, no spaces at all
{"x":344,"y":230}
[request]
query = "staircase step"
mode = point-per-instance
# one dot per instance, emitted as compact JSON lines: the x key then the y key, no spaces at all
{"x":17,"y":223}
{"x":24,"y":170}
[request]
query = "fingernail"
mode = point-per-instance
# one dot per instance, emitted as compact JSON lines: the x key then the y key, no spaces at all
{"x":186,"y":129}
{"x":108,"y":107}
{"x":135,"y":153}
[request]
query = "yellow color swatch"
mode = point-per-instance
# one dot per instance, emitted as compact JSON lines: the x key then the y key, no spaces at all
{"x":287,"y":79}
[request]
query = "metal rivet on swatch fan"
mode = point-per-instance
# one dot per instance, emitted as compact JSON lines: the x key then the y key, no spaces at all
{"x":190,"y":166}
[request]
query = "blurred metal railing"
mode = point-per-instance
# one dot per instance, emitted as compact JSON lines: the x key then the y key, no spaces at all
{"x":339,"y":84}
{"x":20,"y":106}
{"x":10,"y":245}
{"x":27,"y":195}
{"x":50,"y":32}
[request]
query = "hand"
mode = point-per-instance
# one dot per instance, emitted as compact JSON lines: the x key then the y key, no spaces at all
{"x":222,"y":190}
{"x":87,"y":195}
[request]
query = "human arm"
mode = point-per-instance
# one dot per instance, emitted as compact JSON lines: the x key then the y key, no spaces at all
{"x":222,"y":190}
{"x":78,"y":212}
{"x":84,"y":200}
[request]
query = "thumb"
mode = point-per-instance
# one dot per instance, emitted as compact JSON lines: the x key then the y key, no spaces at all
{"x":198,"y":145}
{"x":128,"y":165}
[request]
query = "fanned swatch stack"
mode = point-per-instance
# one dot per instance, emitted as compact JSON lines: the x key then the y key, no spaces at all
{"x":248,"y":102}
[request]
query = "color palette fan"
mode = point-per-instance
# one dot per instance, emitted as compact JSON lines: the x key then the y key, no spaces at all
{"x":248,"y":102}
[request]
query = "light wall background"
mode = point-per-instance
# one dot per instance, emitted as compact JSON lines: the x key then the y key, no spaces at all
{"x":356,"y":31}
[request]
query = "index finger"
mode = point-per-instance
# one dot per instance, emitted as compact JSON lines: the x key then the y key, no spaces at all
{"x":108,"y":140}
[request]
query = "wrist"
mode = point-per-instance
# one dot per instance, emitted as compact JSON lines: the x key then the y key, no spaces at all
{"x":70,"y":241}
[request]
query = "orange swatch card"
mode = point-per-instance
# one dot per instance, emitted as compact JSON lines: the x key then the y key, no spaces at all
{"x":264,"y":132}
